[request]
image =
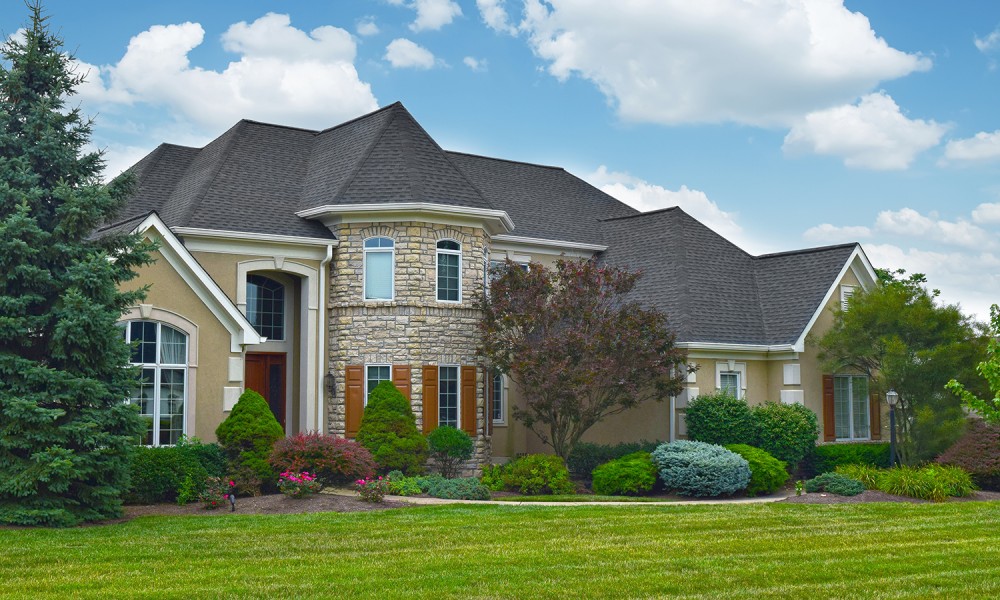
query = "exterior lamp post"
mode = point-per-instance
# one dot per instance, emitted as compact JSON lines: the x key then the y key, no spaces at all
{"x":892,"y":398}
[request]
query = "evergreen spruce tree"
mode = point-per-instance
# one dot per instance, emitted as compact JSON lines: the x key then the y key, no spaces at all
{"x":65,"y":429}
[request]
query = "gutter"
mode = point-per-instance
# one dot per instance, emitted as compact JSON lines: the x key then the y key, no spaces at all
{"x":323,"y":332}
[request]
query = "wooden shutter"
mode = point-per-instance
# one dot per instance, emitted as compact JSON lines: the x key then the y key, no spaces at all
{"x":430,"y":394}
{"x":876,"y":416}
{"x":829,"y":426}
{"x":401,"y":379}
{"x":468,"y":399}
{"x":488,"y":425}
{"x":354,"y":399}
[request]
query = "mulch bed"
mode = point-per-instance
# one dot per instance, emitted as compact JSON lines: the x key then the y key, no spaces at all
{"x":876,"y":496}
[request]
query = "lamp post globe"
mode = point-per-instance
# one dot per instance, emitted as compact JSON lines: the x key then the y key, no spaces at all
{"x":892,"y":398}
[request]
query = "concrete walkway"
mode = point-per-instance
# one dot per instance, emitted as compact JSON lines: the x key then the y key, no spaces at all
{"x":421,"y":500}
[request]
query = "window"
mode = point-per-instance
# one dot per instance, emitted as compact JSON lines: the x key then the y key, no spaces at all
{"x":449,"y":271}
{"x":729,"y":382}
{"x":499,"y":408}
{"x":378,"y":266}
{"x":266,"y":306}
{"x":731,"y":377}
{"x":374,"y":375}
{"x":161,"y":351}
{"x":448,"y":396}
{"x":850,"y":407}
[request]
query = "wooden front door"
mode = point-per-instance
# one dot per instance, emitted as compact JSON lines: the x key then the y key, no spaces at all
{"x":265,"y":374}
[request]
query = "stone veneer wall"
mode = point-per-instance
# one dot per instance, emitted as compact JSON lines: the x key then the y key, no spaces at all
{"x":414,"y":328}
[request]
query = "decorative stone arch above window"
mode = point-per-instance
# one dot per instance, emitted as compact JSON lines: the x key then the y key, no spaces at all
{"x":379,"y":231}
{"x":449,"y":233}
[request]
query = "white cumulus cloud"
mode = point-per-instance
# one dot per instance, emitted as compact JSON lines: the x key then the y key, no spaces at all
{"x":494,"y":14}
{"x":826,"y":233}
{"x":987,"y":213}
{"x":913,"y":224}
{"x":476,"y":64}
{"x":989,"y":43}
{"x":405,"y":54}
{"x":765,"y":62}
{"x":431,"y":14}
{"x":872,"y":134}
{"x":367,"y":27}
{"x":984,"y":146}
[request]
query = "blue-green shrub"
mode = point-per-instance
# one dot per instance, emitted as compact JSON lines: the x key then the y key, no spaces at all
{"x":835,"y":483}
{"x":585,"y":456}
{"x":787,"y":431}
{"x":767,"y":473}
{"x":630,"y":475}
{"x":538,"y":474}
{"x":463,"y":488}
{"x":721,"y":419}
{"x":826,"y":458}
{"x":700,"y":469}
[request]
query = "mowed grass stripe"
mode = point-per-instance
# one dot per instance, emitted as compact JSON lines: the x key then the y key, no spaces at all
{"x":877,"y":550}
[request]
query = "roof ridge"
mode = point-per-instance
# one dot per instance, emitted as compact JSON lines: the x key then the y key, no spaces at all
{"x":216,"y":169}
{"x":123,"y":221}
{"x":642,"y":214}
{"x":368,"y":151}
{"x":760,"y":303}
{"x":396,"y":104}
{"x":808,"y":250}
{"x":507,"y":160}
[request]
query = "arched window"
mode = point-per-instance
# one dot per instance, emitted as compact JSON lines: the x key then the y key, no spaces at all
{"x":266,"y":306}
{"x":161,"y":352}
{"x":379,"y":259}
{"x":449,"y":271}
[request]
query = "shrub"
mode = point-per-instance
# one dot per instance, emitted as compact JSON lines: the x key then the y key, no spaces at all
{"x":214,"y":493}
{"x":372,"y":489}
{"x":464,"y":488}
{"x":333,"y":460}
{"x":492,"y":477}
{"x":700,"y":469}
{"x":826,"y":458}
{"x":161,"y":474}
{"x":978,"y":452}
{"x":767,"y":473}
{"x":298,"y":485}
{"x":248,"y":435}
{"x":631,"y":475}
{"x":449,"y":448}
{"x":538,"y":474}
{"x":389,"y":430}
{"x":932,"y":482}
{"x":787,"y":431}
{"x":720,"y":419}
{"x":868,"y":475}
{"x":586,"y":456}
{"x":401,"y":485}
{"x":835,"y":483}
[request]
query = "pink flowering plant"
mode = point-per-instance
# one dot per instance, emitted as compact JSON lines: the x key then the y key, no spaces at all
{"x":214,"y":494}
{"x":298,"y":485}
{"x":372,"y":489}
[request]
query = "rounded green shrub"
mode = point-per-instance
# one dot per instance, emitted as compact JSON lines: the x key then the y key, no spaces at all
{"x":631,"y":475}
{"x":465,"y":488}
{"x":834,"y":483}
{"x":700,"y":469}
{"x":492,"y":477}
{"x":587,"y":456}
{"x":160,"y":474}
{"x":538,"y":474}
{"x":449,"y":448}
{"x":721,"y":419}
{"x":767,"y":473}
{"x":787,"y":431}
{"x":247,"y":436}
{"x":333,"y":460}
{"x":389,"y":431}
{"x":826,"y":458}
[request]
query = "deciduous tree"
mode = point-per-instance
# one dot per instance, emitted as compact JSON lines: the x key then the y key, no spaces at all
{"x":989,"y":370}
{"x":576,"y":346}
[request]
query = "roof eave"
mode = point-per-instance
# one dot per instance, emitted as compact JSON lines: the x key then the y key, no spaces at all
{"x":493,"y":221}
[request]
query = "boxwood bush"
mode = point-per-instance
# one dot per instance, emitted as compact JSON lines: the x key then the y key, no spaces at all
{"x":787,"y":431}
{"x":538,"y":474}
{"x":586,"y":456}
{"x":834,"y":483}
{"x":449,"y":448}
{"x":332,"y":460}
{"x":826,"y":458}
{"x":630,"y":475}
{"x":389,"y":431}
{"x":978,"y":453}
{"x":767,"y":473}
{"x":721,"y":419}
{"x":159,"y":474}
{"x":700,"y":469}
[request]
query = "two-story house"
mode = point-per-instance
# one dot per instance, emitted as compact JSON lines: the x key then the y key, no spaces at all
{"x":311,"y":265}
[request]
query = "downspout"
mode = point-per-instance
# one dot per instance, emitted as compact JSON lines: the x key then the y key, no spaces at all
{"x":323,"y":333}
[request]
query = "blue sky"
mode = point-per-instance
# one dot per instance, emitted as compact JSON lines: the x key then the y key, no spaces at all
{"x":782,"y":124}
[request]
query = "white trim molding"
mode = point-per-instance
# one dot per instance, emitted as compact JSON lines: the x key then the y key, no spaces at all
{"x":493,"y":221}
{"x":862,"y":269}
{"x":515,"y":244}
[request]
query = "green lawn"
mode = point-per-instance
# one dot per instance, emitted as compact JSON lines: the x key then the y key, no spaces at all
{"x":736,"y":551}
{"x":580,"y":498}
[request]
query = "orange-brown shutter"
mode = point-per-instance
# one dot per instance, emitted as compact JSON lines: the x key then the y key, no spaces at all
{"x":430,"y":398}
{"x":469,"y":400}
{"x":876,"y":416}
{"x":401,"y":379}
{"x":488,"y":425}
{"x":829,"y":427}
{"x":354,"y":399}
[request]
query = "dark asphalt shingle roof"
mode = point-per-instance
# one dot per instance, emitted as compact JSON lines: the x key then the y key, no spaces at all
{"x":713,"y":291}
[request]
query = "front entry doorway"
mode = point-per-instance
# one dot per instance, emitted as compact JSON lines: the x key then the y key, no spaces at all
{"x":265,"y":374}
